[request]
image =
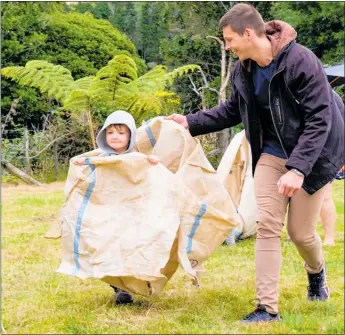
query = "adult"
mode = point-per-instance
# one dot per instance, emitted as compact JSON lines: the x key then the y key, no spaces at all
{"x":294,"y":124}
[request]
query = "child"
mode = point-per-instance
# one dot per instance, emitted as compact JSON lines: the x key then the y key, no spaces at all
{"x":117,"y":137}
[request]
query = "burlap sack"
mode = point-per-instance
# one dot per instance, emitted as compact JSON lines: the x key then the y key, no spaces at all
{"x":209,"y":213}
{"x":235,"y":171}
{"x":131,"y":224}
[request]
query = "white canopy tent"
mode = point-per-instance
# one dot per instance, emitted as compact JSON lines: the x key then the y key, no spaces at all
{"x":335,"y":74}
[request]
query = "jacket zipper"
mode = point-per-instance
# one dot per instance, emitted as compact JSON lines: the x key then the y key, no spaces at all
{"x":274,"y":124}
{"x":279,"y":112}
{"x":290,"y":91}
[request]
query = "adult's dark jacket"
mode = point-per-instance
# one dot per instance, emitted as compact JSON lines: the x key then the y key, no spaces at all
{"x":307,"y":114}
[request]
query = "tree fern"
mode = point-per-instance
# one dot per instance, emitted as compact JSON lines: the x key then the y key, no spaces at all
{"x":148,"y":95}
{"x":121,"y":69}
{"x":78,"y":100}
{"x":115,"y":86}
{"x":121,"y":66}
{"x":151,"y":82}
{"x":55,"y":80}
{"x":83,"y":83}
{"x":144,"y":106}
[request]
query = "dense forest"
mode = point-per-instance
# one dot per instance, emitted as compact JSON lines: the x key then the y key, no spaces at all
{"x":164,"y":48}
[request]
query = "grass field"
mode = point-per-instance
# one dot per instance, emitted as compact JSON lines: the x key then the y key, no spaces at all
{"x":36,"y":299}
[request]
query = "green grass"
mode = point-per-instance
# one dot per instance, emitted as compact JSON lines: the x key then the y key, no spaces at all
{"x":36,"y":299}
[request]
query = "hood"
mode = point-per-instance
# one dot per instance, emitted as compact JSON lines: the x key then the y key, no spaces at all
{"x":280,"y":34}
{"x":118,"y":117}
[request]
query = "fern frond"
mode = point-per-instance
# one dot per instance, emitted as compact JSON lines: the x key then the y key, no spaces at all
{"x":145,"y":106}
{"x":83,"y":83}
{"x":78,"y":101}
{"x":157,"y":79}
{"x":14,"y":72}
{"x":120,"y":70}
{"x":153,"y":80}
{"x":181,"y":71}
{"x":158,"y":72}
{"x":55,"y":80}
{"x":149,"y":83}
{"x":103,"y":90}
{"x":42,"y":64}
{"x":121,"y":67}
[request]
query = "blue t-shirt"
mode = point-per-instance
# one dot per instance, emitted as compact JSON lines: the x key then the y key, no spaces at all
{"x":261,"y":79}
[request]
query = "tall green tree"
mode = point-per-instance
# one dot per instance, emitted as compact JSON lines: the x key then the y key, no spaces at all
{"x":22,"y":38}
{"x":100,"y":10}
{"x":154,"y":26}
{"x":43,"y":31}
{"x":82,"y":43}
{"x":123,"y":15}
{"x":319,"y":25}
{"x":190,"y":24}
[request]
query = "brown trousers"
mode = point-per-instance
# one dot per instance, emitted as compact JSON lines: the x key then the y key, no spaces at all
{"x":303,"y":212}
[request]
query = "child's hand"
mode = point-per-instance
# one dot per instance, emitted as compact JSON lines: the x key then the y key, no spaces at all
{"x":153,"y":160}
{"x":79,"y":161}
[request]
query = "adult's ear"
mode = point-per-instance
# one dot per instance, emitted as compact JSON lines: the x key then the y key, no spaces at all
{"x":248,"y":33}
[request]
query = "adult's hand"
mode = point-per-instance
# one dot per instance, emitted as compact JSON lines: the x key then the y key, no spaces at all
{"x":290,"y":183}
{"x":180,"y":119}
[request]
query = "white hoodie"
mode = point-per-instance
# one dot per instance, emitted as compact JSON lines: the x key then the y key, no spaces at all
{"x":118,"y":117}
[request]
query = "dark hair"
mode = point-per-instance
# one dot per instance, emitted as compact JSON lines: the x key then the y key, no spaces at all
{"x":243,"y":16}
{"x":118,"y":126}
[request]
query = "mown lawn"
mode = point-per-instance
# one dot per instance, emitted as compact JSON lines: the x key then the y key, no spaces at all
{"x":37,"y":300}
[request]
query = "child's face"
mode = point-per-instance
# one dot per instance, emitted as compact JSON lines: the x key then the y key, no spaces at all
{"x":118,"y":137}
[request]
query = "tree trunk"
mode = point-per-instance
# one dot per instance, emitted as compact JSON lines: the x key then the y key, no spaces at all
{"x":111,"y":8}
{"x":26,"y":150}
{"x":56,"y":161}
{"x":9,"y":115}
{"x":19,"y":173}
{"x":92,"y":133}
{"x":223,"y":140}
{"x":224,"y":136}
{"x":203,"y":102}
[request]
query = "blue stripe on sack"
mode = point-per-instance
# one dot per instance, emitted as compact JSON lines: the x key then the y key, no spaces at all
{"x":196,"y":224}
{"x":82,"y":209}
{"x":149,"y":133}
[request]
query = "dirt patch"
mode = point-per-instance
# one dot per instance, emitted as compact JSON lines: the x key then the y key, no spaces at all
{"x":9,"y":191}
